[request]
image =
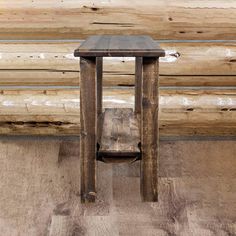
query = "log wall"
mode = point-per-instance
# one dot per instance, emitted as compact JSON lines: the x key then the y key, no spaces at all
{"x":185,"y":64}
{"x":206,"y":70}
{"x":197,"y":78}
{"x":56,"y":112}
{"x":162,"y":19}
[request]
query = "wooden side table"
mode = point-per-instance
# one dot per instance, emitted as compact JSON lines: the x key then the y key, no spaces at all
{"x":119,"y":134}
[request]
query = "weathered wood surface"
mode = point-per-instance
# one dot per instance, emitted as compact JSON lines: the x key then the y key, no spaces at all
{"x":150,"y":129}
{"x":119,"y":46}
{"x":79,"y":19}
{"x":185,"y":64}
{"x":88,"y":124}
{"x":138,"y":85}
{"x":99,"y":76}
{"x":55,"y":112}
{"x":197,"y":191}
{"x":120,"y":136}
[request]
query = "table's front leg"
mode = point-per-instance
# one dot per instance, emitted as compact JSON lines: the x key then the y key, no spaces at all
{"x":149,"y":130}
{"x":99,"y":72}
{"x":88,"y":121}
{"x":138,"y":84}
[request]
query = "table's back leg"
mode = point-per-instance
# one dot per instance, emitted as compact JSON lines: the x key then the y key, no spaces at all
{"x":138,"y":84}
{"x":149,"y":130}
{"x":99,"y":69}
{"x":88,"y":120}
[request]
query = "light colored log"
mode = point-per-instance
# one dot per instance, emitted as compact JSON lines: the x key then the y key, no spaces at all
{"x":181,"y":58}
{"x":185,"y":64}
{"x":198,"y":80}
{"x":67,"y":78}
{"x":33,"y":77}
{"x":160,"y":19}
{"x":56,"y":112}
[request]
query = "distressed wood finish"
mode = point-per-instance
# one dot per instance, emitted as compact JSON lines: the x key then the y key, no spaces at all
{"x":99,"y":74}
{"x":119,"y":46}
{"x":120,"y":136}
{"x":88,"y":134}
{"x":79,"y":19}
{"x":138,"y":84}
{"x":149,"y":130}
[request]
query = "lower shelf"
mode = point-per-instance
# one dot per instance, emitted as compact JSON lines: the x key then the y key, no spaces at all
{"x":120,"y":136}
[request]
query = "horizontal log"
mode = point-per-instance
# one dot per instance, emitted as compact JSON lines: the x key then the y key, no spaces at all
{"x":158,"y":18}
{"x":186,"y":64}
{"x":56,"y":112}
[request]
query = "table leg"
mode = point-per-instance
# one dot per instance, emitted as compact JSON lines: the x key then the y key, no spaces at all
{"x":138,"y":84}
{"x":99,"y":68}
{"x":149,"y":130}
{"x":88,"y":120}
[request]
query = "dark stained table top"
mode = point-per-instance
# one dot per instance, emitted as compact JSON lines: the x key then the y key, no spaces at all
{"x":119,"y":45}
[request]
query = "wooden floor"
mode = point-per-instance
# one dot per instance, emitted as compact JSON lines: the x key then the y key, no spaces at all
{"x":40,"y":191}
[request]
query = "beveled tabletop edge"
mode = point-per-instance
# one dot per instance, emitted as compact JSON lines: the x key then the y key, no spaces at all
{"x":109,"y":52}
{"x":160,"y":53}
